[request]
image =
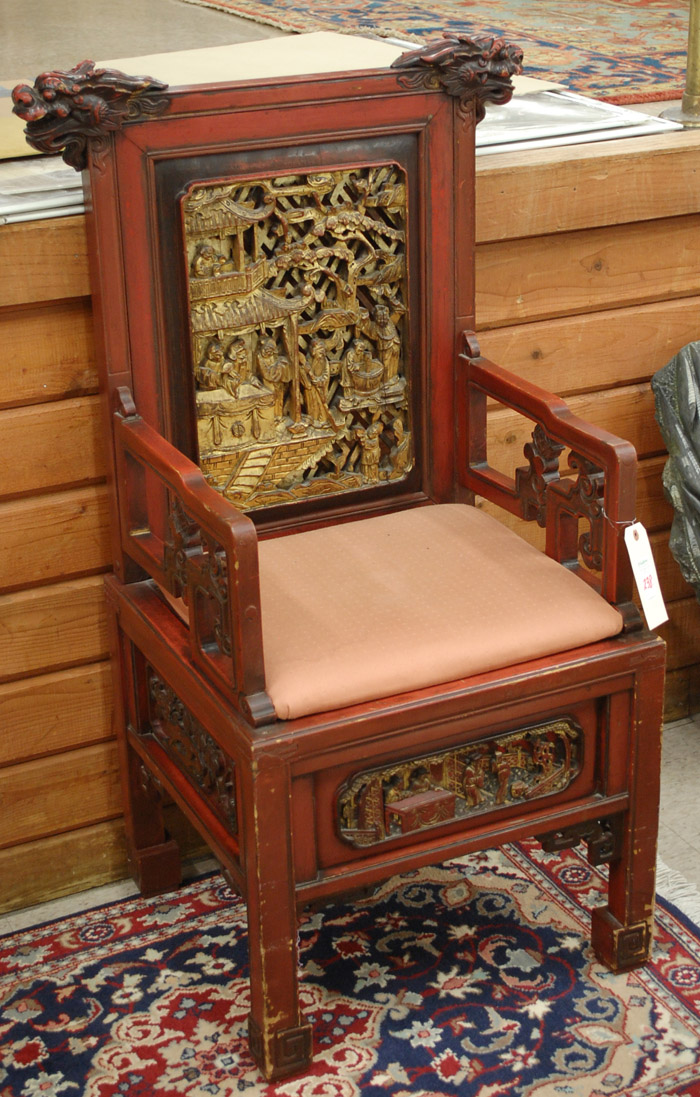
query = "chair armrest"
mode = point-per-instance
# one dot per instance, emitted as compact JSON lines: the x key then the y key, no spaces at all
{"x":601,"y":490}
{"x":199,"y":548}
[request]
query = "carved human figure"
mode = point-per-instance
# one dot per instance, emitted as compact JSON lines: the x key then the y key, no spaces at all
{"x":502,"y":769}
{"x":400,"y":454}
{"x":315,"y":377}
{"x":421,"y":780}
{"x":384,"y":332}
{"x":361,"y":372}
{"x":274,"y":369}
{"x":209,"y":371}
{"x":207,"y":262}
{"x":254,"y":410}
{"x":370,"y":450}
{"x":472,"y":783}
{"x":394,"y":789}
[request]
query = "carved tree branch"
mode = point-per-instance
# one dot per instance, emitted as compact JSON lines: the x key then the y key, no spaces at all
{"x":474,"y":70}
{"x":65,"y":110}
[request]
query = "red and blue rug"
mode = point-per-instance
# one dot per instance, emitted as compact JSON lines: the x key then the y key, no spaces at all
{"x":472,"y":979}
{"x":624,"y":51}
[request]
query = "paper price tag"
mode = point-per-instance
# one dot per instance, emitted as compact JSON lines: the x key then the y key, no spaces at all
{"x":644,"y":570}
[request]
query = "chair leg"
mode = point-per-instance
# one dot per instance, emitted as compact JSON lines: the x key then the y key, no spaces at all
{"x":153,"y":857}
{"x":280,"y":1042}
{"x":622,"y":931}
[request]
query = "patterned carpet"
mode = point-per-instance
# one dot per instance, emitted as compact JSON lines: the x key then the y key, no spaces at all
{"x":470,"y":979}
{"x":624,"y":51}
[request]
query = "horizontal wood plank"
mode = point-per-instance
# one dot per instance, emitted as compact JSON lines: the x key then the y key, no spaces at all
{"x":52,"y":628}
{"x":682,"y":633}
{"x":36,"y":872}
{"x":682,"y":693}
{"x":673,"y":585}
{"x":598,"y":268}
{"x":596,"y":350}
{"x":626,"y":412}
{"x":46,"y":353}
{"x":50,"y":446}
{"x":61,"y":793}
{"x":43,"y":261}
{"x":531,"y":193}
{"x":48,"y":538}
{"x":53,"y":713}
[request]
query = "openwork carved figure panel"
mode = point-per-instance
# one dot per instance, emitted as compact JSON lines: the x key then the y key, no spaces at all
{"x":298,"y":322}
{"x":379,"y":804}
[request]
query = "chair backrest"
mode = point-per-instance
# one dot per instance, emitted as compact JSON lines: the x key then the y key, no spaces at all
{"x":282,"y":268}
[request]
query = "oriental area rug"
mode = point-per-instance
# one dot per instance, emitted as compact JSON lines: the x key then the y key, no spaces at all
{"x":623,"y":51}
{"x":472,"y":979}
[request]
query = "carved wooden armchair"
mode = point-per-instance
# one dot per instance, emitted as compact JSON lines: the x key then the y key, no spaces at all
{"x":335,"y":665}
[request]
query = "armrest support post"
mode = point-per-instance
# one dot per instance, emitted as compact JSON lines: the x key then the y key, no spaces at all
{"x":602,"y":492}
{"x":201,"y":549}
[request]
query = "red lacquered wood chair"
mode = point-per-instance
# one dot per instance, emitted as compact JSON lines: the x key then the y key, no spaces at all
{"x":333,"y":662}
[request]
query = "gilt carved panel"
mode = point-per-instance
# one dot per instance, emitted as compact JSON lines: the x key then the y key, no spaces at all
{"x":414,"y":794}
{"x":299,"y":332}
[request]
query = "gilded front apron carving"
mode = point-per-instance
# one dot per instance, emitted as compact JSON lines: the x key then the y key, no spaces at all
{"x":423,"y":792}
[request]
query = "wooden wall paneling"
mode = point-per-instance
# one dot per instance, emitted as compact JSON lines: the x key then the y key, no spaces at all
{"x":627,"y":412}
{"x":673,"y":585}
{"x":52,"y":628}
{"x":46,"y":353}
{"x":50,"y":446}
{"x":682,"y":693}
{"x":587,"y":271}
{"x":35,"y":872}
{"x":43,"y":261}
{"x":68,"y":534}
{"x":52,"y":713}
{"x":59,"y":793}
{"x":682,"y":634}
{"x":597,"y":350}
{"x":610,"y":183}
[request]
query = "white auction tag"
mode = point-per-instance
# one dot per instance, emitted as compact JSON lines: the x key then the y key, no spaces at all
{"x":644,"y":569}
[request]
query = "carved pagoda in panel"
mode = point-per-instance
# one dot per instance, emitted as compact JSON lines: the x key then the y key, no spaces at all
{"x":297,"y":312}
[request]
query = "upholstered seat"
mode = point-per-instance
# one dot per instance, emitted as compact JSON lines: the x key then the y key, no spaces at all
{"x":369,"y":609}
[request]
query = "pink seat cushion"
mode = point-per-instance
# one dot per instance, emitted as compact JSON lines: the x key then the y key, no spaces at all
{"x":373,"y":608}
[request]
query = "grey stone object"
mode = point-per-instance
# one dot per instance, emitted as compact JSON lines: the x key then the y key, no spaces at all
{"x":677,"y":393}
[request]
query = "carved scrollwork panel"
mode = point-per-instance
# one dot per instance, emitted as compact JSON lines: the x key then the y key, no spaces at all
{"x":589,"y":491}
{"x":183,"y":539}
{"x":299,"y":332}
{"x":197,"y":754}
{"x":414,"y":794}
{"x":531,"y":482}
{"x":211,"y":584}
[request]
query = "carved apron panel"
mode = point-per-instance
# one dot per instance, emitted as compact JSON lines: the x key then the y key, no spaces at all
{"x":418,"y":793}
{"x":297,"y":312}
{"x":197,"y":754}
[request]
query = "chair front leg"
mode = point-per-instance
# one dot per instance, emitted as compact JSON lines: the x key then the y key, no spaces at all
{"x":280,"y":1042}
{"x":622,"y":931}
